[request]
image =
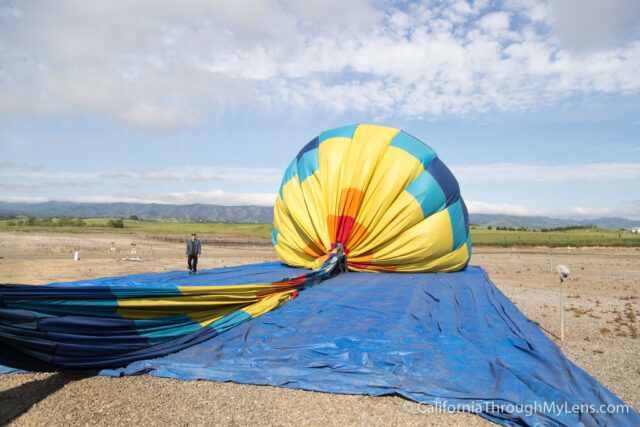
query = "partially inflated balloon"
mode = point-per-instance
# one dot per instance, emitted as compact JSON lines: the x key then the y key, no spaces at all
{"x":379,"y":191}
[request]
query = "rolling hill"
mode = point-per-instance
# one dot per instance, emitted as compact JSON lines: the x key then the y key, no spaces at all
{"x":260,"y":214}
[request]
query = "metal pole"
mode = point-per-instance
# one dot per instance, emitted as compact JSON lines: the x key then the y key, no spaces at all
{"x":550,"y":264}
{"x":561,"y":310}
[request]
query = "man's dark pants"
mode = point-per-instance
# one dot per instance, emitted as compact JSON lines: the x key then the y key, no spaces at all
{"x":193,"y":259}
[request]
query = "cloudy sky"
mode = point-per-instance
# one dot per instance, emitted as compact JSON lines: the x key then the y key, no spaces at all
{"x":534,"y":105}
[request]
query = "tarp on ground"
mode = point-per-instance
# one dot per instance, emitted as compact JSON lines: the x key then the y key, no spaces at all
{"x":447,"y":339}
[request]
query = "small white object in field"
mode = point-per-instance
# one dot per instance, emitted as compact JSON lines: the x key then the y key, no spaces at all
{"x":136,"y":258}
{"x":563,"y":269}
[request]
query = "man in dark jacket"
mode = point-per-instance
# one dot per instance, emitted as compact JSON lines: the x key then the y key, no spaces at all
{"x":193,"y":253}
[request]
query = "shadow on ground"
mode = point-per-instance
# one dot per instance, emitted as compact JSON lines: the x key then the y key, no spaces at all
{"x":16,"y":401}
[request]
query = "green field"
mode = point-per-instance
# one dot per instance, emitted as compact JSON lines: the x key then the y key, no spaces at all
{"x":100,"y":225}
{"x":480,"y":236}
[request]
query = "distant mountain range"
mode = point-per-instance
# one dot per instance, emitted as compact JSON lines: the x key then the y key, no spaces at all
{"x":260,"y":214}
{"x":195,"y":212}
{"x":539,"y":222}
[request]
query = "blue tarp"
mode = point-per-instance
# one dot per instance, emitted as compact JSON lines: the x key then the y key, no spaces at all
{"x":448,"y":339}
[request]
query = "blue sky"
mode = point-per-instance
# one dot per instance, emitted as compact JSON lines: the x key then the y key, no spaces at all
{"x":533,"y":105}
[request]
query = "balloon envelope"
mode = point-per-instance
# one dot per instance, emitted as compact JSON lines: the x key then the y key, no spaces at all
{"x":379,"y":191}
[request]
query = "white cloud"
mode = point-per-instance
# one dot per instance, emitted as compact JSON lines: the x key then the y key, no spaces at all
{"x":185,"y":173}
{"x":219,"y":197}
{"x":29,"y":187}
{"x":495,"y":23}
{"x":564,"y":212}
{"x":170,"y":65}
{"x":216,"y":197}
{"x":146,"y":115}
{"x":587,"y":25}
{"x":7,"y":164}
{"x":21,"y":187}
{"x":523,"y":172}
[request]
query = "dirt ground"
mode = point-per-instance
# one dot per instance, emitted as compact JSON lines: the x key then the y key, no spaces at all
{"x":602,"y":322}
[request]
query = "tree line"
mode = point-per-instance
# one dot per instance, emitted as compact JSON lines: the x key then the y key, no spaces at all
{"x":570,"y":227}
{"x":65,"y":221}
{"x":545,"y":230}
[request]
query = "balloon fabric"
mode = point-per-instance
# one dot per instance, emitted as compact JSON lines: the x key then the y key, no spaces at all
{"x":82,"y":326}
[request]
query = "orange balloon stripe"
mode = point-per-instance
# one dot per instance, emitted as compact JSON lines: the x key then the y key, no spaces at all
{"x":358,"y":233}
{"x":365,"y":258}
{"x":350,"y":201}
{"x":372,"y":267}
{"x":314,"y":249}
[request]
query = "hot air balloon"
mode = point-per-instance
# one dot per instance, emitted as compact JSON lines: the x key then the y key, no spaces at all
{"x":383,"y":194}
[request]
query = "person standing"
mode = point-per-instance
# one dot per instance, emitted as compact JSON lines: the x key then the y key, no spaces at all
{"x":193,"y":253}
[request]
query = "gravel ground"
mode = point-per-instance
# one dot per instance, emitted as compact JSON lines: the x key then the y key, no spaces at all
{"x":602,"y":311}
